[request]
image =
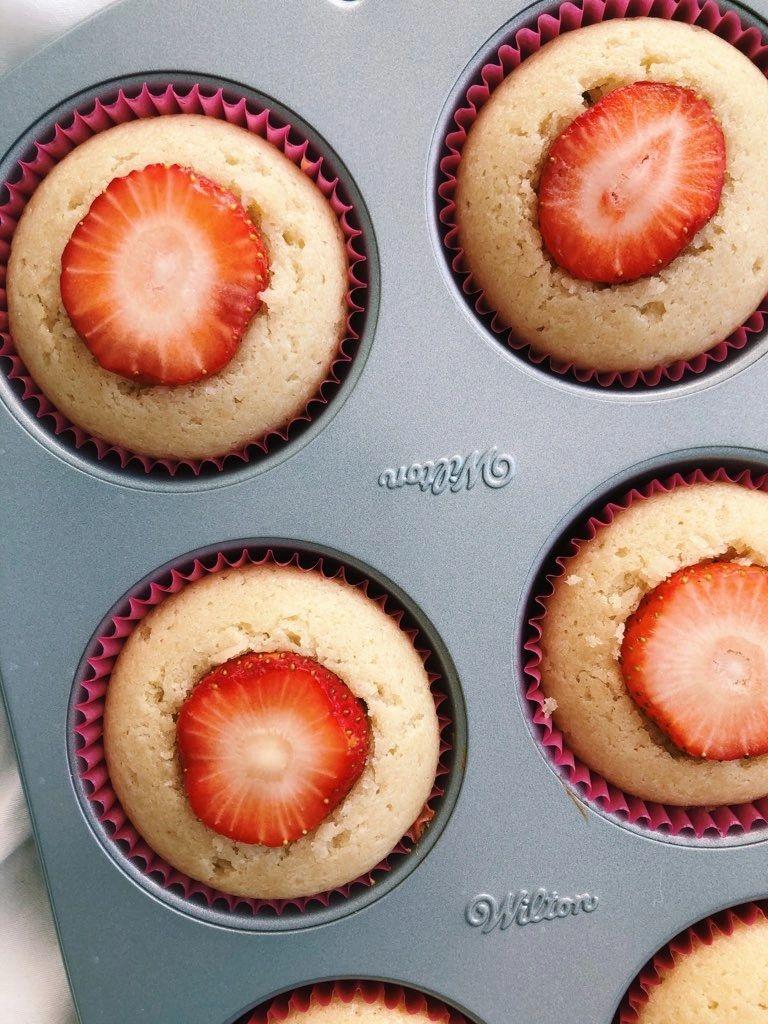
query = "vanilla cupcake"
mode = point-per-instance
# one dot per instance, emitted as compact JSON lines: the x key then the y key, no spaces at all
{"x":177,"y":286}
{"x":609,"y":196}
{"x":720,"y":977}
{"x":357,"y":1003}
{"x":654,"y":647}
{"x":271,"y":732}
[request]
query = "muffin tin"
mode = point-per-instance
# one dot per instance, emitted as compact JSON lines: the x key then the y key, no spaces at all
{"x":376,"y":81}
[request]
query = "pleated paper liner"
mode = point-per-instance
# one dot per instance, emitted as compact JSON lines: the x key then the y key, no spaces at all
{"x":695,"y":822}
{"x":703,"y":932}
{"x":153,"y":101}
{"x":522,"y":43}
{"x":89,"y":730}
{"x":392,"y":996}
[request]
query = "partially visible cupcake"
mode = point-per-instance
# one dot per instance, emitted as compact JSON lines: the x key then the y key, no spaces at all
{"x":355,"y":1002}
{"x":654,"y":646}
{"x":177,"y":287}
{"x":355,"y":1010}
{"x":271,"y":732}
{"x":609,"y":196}
{"x":715,"y":973}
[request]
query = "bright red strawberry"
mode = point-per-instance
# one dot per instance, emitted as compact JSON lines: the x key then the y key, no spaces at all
{"x":270,"y":744}
{"x":627,"y":185}
{"x":162,"y":276}
{"x":695,"y":658}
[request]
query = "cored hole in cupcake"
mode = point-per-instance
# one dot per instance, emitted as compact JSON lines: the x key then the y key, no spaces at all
{"x":162,"y":276}
{"x":270,"y":744}
{"x":695,"y":658}
{"x":626,"y":186}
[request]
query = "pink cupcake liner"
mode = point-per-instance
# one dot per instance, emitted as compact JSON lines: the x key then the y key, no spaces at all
{"x":128,"y":106}
{"x":89,"y":729}
{"x":701,"y":821}
{"x":524,"y":42}
{"x":703,"y":932}
{"x":392,"y":996}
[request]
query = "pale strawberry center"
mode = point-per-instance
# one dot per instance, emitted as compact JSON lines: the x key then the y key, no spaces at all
{"x":634,"y":180}
{"x":738,"y":664}
{"x":280,"y":746}
{"x":163,"y":273}
{"x":704,"y":646}
{"x":267,"y":757}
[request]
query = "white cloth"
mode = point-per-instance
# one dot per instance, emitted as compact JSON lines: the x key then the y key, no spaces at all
{"x":33,"y":987}
{"x":27,"y":24}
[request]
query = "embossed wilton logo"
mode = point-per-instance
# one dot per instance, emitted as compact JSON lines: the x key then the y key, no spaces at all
{"x":523,"y":907}
{"x":459,"y":472}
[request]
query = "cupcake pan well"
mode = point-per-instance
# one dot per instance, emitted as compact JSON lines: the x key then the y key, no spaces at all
{"x":396,"y":997}
{"x":113,"y":827}
{"x":137,"y":97}
{"x":726,"y":824}
{"x":487,"y":71}
{"x":373,"y":79}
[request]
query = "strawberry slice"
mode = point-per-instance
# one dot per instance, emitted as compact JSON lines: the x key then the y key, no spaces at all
{"x":270,"y":744}
{"x":162,"y":276}
{"x":627,"y":185}
{"x":695,"y":658}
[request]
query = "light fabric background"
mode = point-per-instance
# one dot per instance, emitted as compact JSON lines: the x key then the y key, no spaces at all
{"x":33,"y":989}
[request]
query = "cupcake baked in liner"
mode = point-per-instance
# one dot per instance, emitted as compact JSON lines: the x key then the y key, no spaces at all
{"x":525,"y":42}
{"x":405,"y":1001}
{"x":671,"y":820}
{"x":89,"y":729}
{"x":703,"y":933}
{"x":150,"y":101}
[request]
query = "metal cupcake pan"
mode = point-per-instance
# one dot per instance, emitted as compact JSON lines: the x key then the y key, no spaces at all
{"x":375,"y":80}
